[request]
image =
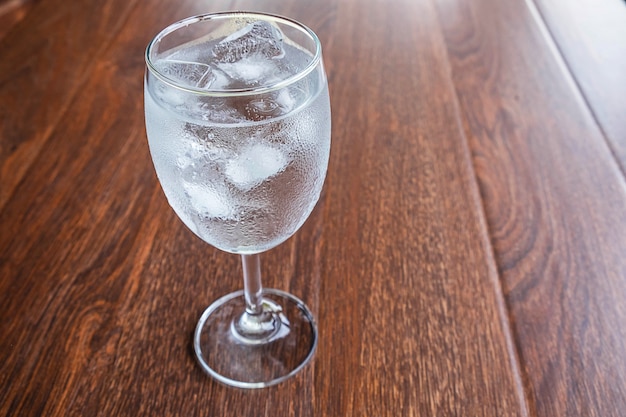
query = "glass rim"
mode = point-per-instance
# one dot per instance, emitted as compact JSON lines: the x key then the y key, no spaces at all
{"x":239,"y":91}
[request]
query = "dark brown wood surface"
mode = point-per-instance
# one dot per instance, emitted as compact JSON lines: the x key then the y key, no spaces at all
{"x":467,"y":257}
{"x":555,"y":204}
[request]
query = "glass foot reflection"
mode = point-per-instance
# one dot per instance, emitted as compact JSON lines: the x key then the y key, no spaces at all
{"x":255,"y":351}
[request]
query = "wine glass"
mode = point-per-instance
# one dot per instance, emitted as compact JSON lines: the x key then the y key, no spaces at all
{"x":238,"y":124}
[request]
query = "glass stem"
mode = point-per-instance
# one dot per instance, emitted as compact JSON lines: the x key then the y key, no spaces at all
{"x":260,"y":322}
{"x":252,"y":283}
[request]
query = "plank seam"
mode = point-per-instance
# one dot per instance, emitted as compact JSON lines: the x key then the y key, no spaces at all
{"x":495,"y":274}
{"x":503,"y":308}
{"x":571,"y":79}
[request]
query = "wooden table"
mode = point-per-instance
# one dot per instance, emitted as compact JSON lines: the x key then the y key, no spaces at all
{"x":467,"y":257}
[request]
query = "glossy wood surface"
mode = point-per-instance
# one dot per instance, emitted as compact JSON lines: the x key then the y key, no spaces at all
{"x":591,"y":36}
{"x":466,"y":258}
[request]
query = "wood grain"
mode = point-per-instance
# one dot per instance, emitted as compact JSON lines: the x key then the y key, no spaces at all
{"x":44,"y":59}
{"x":398,"y":156}
{"x":11,"y":12}
{"x":554,"y":200}
{"x":465,"y":258}
{"x":118,"y":283}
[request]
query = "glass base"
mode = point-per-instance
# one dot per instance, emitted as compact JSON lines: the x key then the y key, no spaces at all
{"x":249,"y":351}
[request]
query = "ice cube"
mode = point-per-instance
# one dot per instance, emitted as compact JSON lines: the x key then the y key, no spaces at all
{"x":249,"y":72}
{"x":191,"y":74}
{"x":269,"y":105}
{"x":258,"y":38}
{"x":255,"y":164}
{"x":209,"y":201}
